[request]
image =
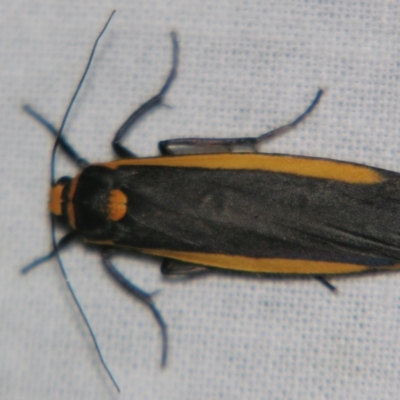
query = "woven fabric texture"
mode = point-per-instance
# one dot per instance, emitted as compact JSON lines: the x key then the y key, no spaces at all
{"x":245,"y":68}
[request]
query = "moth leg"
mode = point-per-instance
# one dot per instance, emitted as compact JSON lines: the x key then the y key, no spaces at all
{"x":294,"y":123}
{"x":65,"y":146}
{"x":201,"y":146}
{"x":172,"y":267}
{"x":166,"y":147}
{"x":156,"y":100}
{"x":326,"y":283}
{"x":64,"y":241}
{"x":141,"y":295}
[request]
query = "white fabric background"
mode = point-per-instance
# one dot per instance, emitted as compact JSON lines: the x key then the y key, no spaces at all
{"x":246,"y":67}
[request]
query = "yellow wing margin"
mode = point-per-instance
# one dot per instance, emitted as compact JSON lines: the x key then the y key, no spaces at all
{"x":261,"y":265}
{"x":302,"y":166}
